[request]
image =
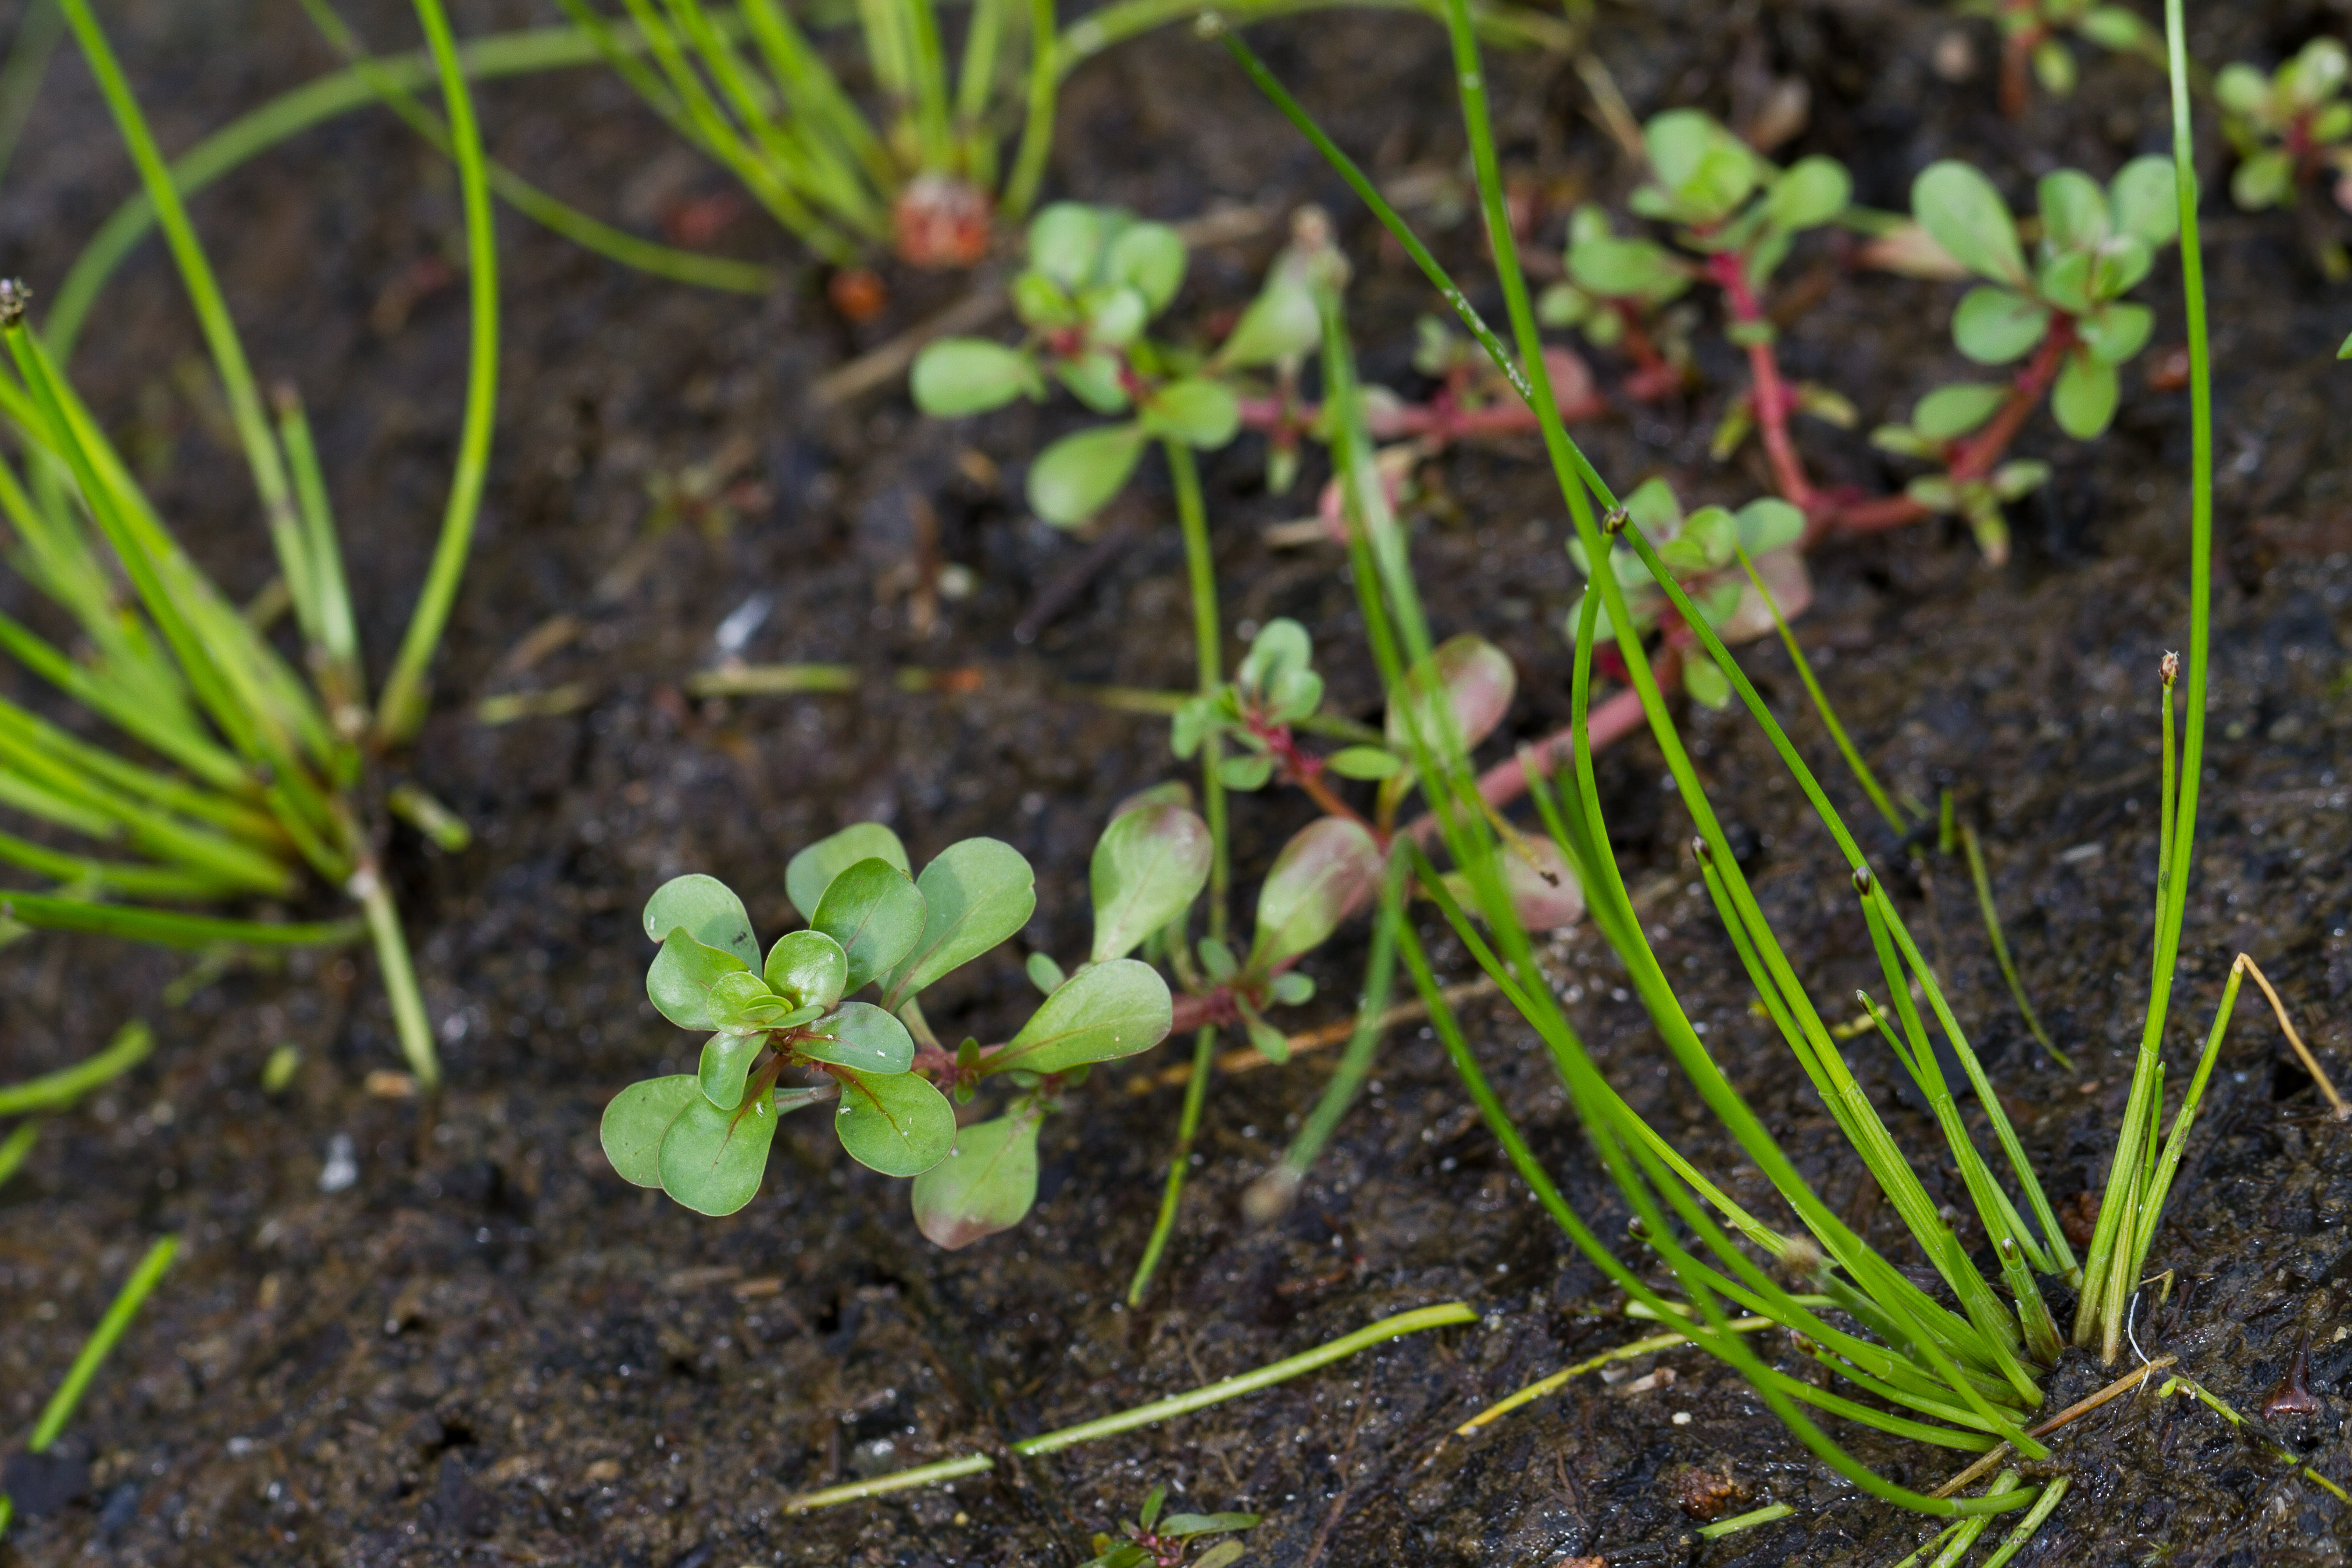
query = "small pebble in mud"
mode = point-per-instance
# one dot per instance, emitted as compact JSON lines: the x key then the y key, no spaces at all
{"x":1705,"y":1494}
{"x":342,"y":1168}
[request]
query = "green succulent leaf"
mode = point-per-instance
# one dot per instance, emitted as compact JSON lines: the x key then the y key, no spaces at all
{"x":678,"y":983}
{"x":874,"y":912}
{"x":1768,"y":524}
{"x":1147,"y":867}
{"x":2264,"y":180}
{"x":1291,"y":988}
{"x":1281,"y":323}
{"x":1189,"y":1524}
{"x":2243,"y":90}
{"x":2014,"y":481}
{"x":1966,"y":216}
{"x":1706,"y":683}
{"x":1196,"y":411}
{"x":2115,"y":27}
{"x":2144,"y":199}
{"x":742,"y":1000}
{"x":1365,"y":762}
{"x":1223,"y":1554}
{"x":1066,"y":241}
{"x":636,"y":1121}
{"x":893,"y":1123}
{"x":810,"y":872}
{"x":1149,"y":258}
{"x":2053,"y":68}
{"x":1076,"y":476}
{"x":1474,"y":678}
{"x":1281,"y":648}
{"x":1808,"y":192}
{"x":977,"y":892}
{"x":2117,"y":266}
{"x":1994,"y":326}
{"x":726,"y":1059}
{"x":808,"y":966}
{"x":1949,"y":412}
{"x":1102,"y":1013}
{"x":1617,"y":268}
{"x":860,"y":1035}
{"x":712,"y":1160}
{"x":1247,"y":772}
{"x":1094,"y":377}
{"x":709,"y":912}
{"x":1651,"y":508}
{"x":1043,"y":973}
{"x":1115,"y":315}
{"x":1269,"y":1041}
{"x":1706,"y":171}
{"x":986,"y":1184}
{"x":2074,"y":210}
{"x":1328,"y":868}
{"x":1041,"y":302}
{"x":2084,"y":398}
{"x":2114,"y":333}
{"x":970,"y":375}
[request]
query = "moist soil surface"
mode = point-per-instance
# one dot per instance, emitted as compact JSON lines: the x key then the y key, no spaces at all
{"x":487,"y":1348}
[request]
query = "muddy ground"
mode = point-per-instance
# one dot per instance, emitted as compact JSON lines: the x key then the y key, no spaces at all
{"x":489,"y":1349}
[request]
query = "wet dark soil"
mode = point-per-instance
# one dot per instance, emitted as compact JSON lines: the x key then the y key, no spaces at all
{"x":488,"y":1349}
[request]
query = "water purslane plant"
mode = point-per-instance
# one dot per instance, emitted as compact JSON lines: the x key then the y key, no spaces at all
{"x":248,"y":776}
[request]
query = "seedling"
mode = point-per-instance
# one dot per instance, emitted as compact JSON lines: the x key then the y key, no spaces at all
{"x":1743,"y":571}
{"x":2035,"y":39}
{"x":703,"y":1136}
{"x":1148,"y":1541}
{"x":2290,"y":128}
{"x":258,"y":786}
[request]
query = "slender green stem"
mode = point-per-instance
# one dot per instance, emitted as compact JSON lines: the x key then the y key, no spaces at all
{"x":402,"y":711}
{"x":1749,"y":1521}
{"x":19,"y":1144}
{"x":55,"y":1091}
{"x":1172,"y":1192}
{"x":2120,"y":1221}
{"x":1854,"y":764}
{"x":399,"y":977}
{"x":1449,"y":1315}
{"x":168,"y":928}
{"x":2043,"y":1506}
{"x":1356,"y":1061}
{"x":269,"y":465}
{"x":1037,"y":128}
{"x":101,"y":1342}
{"x":341,"y":680}
{"x":1208,"y":653}
{"x":1991,"y":912}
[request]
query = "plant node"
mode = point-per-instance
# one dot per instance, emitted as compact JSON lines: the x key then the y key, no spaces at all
{"x":1698,"y":848}
{"x":13,"y":298}
{"x":2171,"y":668}
{"x":1862,"y":880}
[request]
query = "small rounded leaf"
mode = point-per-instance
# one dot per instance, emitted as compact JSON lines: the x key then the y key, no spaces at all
{"x":2145,"y":202}
{"x":1281,"y":323}
{"x":1066,"y":241}
{"x":2084,"y":398}
{"x":1544,"y":891}
{"x":1768,"y":524}
{"x":986,"y":1184}
{"x":1966,"y":216}
{"x":970,"y":375}
{"x":638,"y":1120}
{"x":1365,"y":762}
{"x":875,"y":913}
{"x":1102,"y":1013}
{"x":808,"y":968}
{"x":709,"y":910}
{"x":712,"y":1160}
{"x":1951,"y":411}
{"x":1076,"y":476}
{"x":1147,"y":867}
{"x":975,"y":895}
{"x":860,"y":1035}
{"x":1477,"y":681}
{"x":2074,"y":210}
{"x":893,"y":1123}
{"x":1195,"y":411}
{"x":812,"y":870}
{"x":2114,"y":333}
{"x":1994,"y":326}
{"x":1810,"y":193}
{"x":726,"y":1059}
{"x":1149,"y":258}
{"x":1328,"y":869}
{"x":678,"y":983}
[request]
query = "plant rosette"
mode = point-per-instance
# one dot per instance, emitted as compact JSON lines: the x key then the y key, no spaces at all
{"x":703,"y":1137}
{"x":1702,"y":550}
{"x":1097,"y":278}
{"x":1150,"y":1541}
{"x":2288,"y":125}
{"x":2034,"y":33}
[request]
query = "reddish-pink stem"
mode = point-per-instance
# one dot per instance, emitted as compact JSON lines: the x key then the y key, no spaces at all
{"x":1770,"y":397}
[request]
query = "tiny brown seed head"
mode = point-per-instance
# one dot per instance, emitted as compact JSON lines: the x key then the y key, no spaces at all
{"x":1862,"y":881}
{"x":1698,"y":848}
{"x":14,"y":298}
{"x":2171,"y":669}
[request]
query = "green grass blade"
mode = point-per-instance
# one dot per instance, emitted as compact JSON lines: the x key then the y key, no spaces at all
{"x":401,"y":710}
{"x":39,"y":27}
{"x":101,"y":1342}
{"x":1991,"y":912}
{"x":131,"y":1045}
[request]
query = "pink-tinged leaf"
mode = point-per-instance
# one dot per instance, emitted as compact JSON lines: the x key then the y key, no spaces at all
{"x":1479,"y":682}
{"x":1783,"y":571}
{"x":986,"y":1184}
{"x":1544,"y":891}
{"x":1572,"y":386}
{"x":1327,"y":870}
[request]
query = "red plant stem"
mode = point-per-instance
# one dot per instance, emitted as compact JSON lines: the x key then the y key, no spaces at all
{"x":1770,"y":397}
{"x":1975,"y":457}
{"x":1505,"y":783}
